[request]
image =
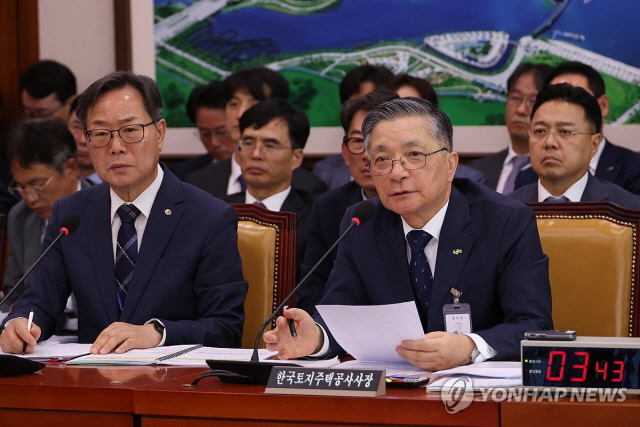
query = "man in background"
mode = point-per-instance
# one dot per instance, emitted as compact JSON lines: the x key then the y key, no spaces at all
{"x":502,"y":168}
{"x":566,"y":132}
{"x":84,"y":161}
{"x":47,"y":89}
{"x":244,"y":89}
{"x":205,"y":109}
{"x":611,"y":162}
{"x":274,"y":134}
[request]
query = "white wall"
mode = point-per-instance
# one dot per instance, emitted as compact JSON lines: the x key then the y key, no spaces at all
{"x":80,"y":33}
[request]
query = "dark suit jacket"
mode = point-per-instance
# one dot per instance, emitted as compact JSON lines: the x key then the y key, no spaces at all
{"x":184,"y":168}
{"x":24,"y":234}
{"x":214,"y":179}
{"x":491,"y":166}
{"x":596,"y":190}
{"x":298,"y":202}
{"x":617,"y":164}
{"x":188,"y":273}
{"x":324,"y":230}
{"x":500,"y":267}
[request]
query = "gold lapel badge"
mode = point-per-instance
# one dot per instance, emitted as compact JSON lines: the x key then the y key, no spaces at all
{"x":168,"y":212}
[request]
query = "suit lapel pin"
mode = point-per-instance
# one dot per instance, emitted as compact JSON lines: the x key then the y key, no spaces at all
{"x":457,"y":251}
{"x":168,"y":212}
{"x":610,"y":168}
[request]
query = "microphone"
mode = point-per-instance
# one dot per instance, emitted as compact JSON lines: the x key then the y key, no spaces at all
{"x":255,"y":372}
{"x":69,"y":225}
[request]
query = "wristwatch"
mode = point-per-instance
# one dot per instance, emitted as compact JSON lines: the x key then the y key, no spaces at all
{"x":159,"y":326}
{"x":476,"y":356}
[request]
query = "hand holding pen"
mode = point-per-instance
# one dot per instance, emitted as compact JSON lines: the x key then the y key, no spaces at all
{"x":29,"y":326}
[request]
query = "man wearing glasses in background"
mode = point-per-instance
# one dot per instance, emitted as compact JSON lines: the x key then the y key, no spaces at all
{"x":429,"y":234}
{"x":274,"y":134}
{"x":47,"y":89}
{"x":154,"y":261}
{"x":42,"y":157}
{"x":502,"y":168}
{"x":565,"y":134}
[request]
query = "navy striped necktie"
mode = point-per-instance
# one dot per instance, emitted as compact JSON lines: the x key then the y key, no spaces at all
{"x":126,"y":251}
{"x":420,"y":272}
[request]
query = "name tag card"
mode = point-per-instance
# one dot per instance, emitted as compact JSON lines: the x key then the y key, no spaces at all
{"x":326,"y":382}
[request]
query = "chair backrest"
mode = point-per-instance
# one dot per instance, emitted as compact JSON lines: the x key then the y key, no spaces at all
{"x":267,"y":245}
{"x":593,"y":266}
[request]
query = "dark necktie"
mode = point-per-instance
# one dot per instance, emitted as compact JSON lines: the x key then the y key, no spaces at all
{"x":126,"y":251}
{"x":420,"y":272}
{"x":518,"y":163}
{"x":243,"y":183}
{"x":556,"y":199}
{"x":259,"y":203}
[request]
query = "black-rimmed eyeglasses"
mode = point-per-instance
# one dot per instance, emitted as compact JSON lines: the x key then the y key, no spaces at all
{"x":131,"y":134}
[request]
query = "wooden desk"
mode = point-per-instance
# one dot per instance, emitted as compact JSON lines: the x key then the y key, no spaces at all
{"x":213,"y":403}
{"x":78,"y":395}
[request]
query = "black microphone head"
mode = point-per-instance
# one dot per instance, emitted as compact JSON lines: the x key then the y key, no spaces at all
{"x":363,"y":212}
{"x":70,"y":224}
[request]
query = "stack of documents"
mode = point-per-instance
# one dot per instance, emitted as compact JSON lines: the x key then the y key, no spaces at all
{"x":482,"y":375}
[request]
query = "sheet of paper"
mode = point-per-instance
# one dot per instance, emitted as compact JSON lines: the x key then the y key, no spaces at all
{"x":436,"y":384}
{"x":489,"y":369}
{"x":372,"y":332}
{"x":147,"y":356}
{"x":48,"y":351}
{"x":404,"y":369}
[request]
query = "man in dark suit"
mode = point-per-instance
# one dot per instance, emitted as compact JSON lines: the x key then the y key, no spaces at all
{"x":274,"y":134}
{"x":242,"y":90}
{"x":611,"y":162}
{"x":42,"y":155}
{"x":566,"y":126}
{"x":502,"y":168}
{"x":154,"y":261}
{"x":329,"y":208}
{"x":483,"y":244}
{"x":205,"y":108}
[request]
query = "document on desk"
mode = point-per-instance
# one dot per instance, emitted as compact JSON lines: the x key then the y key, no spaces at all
{"x":372,"y":332}
{"x":482,"y":375}
{"x":56,"y":351}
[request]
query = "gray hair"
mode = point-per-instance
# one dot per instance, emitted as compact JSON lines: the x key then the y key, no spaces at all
{"x":439,"y":123}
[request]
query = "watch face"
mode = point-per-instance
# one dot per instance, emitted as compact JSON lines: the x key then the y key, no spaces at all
{"x":581,"y":367}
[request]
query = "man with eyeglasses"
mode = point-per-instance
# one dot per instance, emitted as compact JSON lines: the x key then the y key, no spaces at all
{"x":565,"y":134}
{"x":154,"y":261}
{"x":502,"y":168}
{"x":271,"y":147}
{"x":84,"y":161}
{"x":244,"y":89}
{"x":432,"y":235}
{"x":205,"y":108}
{"x":47,"y":89}
{"x":611,"y":162}
{"x":42,"y":157}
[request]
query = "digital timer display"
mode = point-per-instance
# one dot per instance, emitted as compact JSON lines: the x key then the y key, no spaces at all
{"x":574,"y":366}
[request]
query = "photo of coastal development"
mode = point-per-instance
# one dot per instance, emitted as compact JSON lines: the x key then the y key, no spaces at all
{"x":465,"y":48}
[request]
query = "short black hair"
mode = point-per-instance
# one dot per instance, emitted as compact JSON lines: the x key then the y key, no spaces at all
{"x":573,"y":95}
{"x":46,"y":77}
{"x":39,"y":141}
{"x":539,"y":71}
{"x":424,"y":88}
{"x":365,"y":103}
{"x":211,"y":95}
{"x":278,"y":108}
{"x":596,"y":82}
{"x":253,"y":81}
{"x":147,"y":88}
{"x":376,"y":74}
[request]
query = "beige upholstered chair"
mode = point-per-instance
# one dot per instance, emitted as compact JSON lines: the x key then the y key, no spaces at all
{"x":593,"y":266}
{"x":267,"y":244}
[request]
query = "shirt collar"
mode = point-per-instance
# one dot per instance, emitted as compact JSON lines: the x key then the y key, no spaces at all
{"x":433,"y":226}
{"x":273,"y":203}
{"x":573,"y":193}
{"x":143,"y":202}
{"x":593,"y":164}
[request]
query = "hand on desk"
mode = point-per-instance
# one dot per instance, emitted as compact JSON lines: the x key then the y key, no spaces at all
{"x":309,"y":338}
{"x":437,"y":351}
{"x":15,"y":334}
{"x":124,"y":336}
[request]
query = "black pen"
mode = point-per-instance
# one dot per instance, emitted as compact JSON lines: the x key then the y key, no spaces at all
{"x":292,"y":326}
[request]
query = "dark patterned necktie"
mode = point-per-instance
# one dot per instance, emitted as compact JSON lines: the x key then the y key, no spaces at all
{"x":420,"y":272}
{"x":127,"y":250}
{"x":518,"y":163}
{"x":556,"y":199}
{"x":243,"y":183}
{"x":259,"y":203}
